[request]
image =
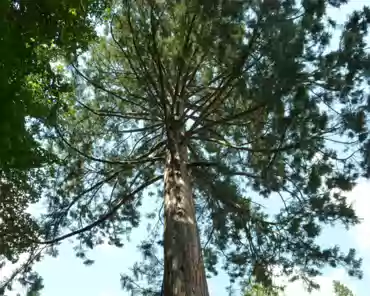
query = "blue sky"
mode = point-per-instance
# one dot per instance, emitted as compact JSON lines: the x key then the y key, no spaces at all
{"x":66,"y":275}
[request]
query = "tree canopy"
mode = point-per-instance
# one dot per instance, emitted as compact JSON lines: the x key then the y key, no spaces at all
{"x":230,"y":101}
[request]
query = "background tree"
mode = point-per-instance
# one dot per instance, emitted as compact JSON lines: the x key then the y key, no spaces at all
{"x":259,"y":290}
{"x":341,"y":290}
{"x":254,"y":289}
{"x":212,"y":105}
{"x":32,"y":35}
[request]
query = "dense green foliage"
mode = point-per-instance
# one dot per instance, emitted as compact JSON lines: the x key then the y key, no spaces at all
{"x":32,"y":34}
{"x":265,"y":98}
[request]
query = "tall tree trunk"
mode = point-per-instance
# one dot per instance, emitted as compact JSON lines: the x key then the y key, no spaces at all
{"x":184,"y":273}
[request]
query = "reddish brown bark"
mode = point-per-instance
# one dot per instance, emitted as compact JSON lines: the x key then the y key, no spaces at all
{"x":184,"y":273}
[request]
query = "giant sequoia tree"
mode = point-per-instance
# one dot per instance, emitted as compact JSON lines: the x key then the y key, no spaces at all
{"x":209,"y":105}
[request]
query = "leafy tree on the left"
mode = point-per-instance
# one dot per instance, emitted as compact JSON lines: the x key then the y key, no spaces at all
{"x":33,"y":34}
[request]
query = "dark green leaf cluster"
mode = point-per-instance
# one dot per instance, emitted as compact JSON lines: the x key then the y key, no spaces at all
{"x":32,"y":35}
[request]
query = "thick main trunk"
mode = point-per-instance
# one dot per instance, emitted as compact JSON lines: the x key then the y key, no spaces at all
{"x":184,"y":273}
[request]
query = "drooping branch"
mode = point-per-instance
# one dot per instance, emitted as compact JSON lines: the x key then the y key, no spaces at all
{"x":34,"y":254}
{"x":63,"y":212}
{"x":105,"y":216}
{"x":139,"y":160}
{"x":114,"y":94}
{"x":126,"y":115}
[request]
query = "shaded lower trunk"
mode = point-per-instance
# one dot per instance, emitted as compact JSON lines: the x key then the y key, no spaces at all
{"x":184,"y":273}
